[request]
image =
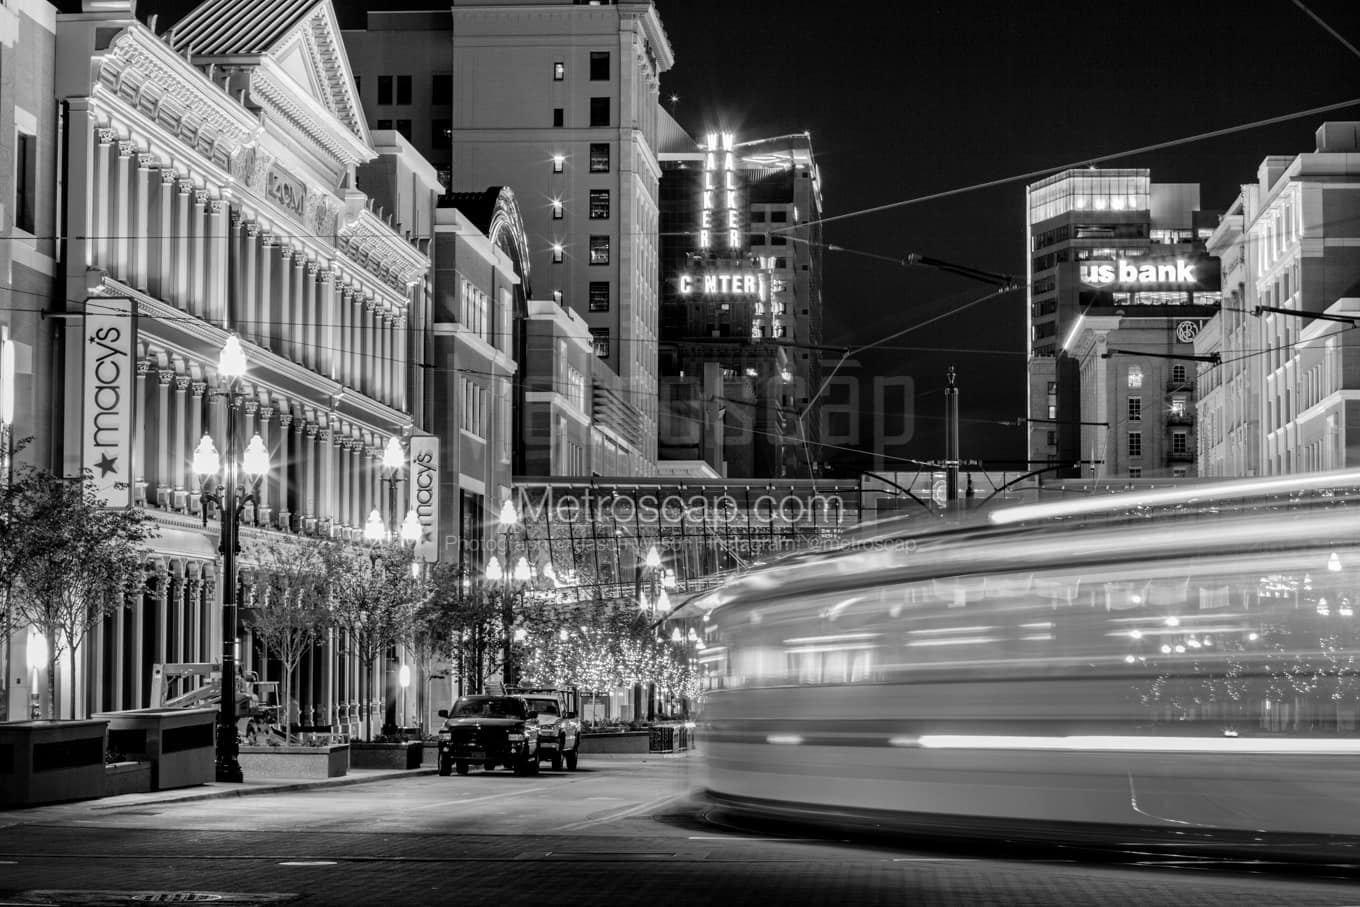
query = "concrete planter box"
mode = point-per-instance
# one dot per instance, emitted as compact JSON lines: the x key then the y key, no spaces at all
{"x":430,"y":756}
{"x":127,"y":778}
{"x":179,"y":743}
{"x":406,"y":755}
{"x":300,"y":762}
{"x":51,"y":761}
{"x":616,"y":742}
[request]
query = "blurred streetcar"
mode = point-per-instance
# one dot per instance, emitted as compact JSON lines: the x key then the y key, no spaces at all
{"x":1180,"y":664}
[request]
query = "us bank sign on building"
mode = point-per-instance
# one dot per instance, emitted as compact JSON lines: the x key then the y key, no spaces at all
{"x":211,"y":191}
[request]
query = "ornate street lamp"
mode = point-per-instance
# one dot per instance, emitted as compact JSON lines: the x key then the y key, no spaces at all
{"x":218,"y":484}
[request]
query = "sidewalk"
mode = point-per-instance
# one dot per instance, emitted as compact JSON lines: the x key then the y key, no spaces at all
{"x":214,"y":790}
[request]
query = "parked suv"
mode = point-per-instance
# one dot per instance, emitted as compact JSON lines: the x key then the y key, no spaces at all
{"x":559,"y":730}
{"x":489,"y":731}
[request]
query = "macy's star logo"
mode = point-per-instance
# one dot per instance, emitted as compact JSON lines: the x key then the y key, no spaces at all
{"x":106,"y":465}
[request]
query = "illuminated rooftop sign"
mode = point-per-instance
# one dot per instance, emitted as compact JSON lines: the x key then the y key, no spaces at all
{"x":1153,"y":274}
{"x":718,"y":210}
{"x":720,"y":283}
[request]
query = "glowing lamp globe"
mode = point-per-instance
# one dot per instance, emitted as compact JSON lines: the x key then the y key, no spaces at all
{"x":522,"y":572}
{"x":653,"y":558}
{"x":509,"y":516}
{"x":374,"y":531}
{"x":232,"y":362}
{"x":256,"y":458}
{"x":410,"y":527}
{"x":494,"y":574}
{"x":393,"y":456}
{"x":206,"y":460}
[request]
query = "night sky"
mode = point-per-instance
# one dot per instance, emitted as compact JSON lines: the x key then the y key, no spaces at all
{"x":910,"y":99}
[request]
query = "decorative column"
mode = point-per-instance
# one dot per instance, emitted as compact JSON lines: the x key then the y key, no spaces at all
{"x":325,"y":474}
{"x":197,"y":389}
{"x":345,"y":483}
{"x":163,"y":277}
{"x":141,"y":443}
{"x":403,"y":341}
{"x":329,"y":331}
{"x":284,"y":464}
{"x":346,"y":294}
{"x":142,"y":214}
{"x":371,"y":365}
{"x":183,"y":233}
{"x":307,"y":499}
{"x":195,"y":644}
{"x":358,"y":335}
{"x":198,"y":280}
{"x":250,"y":407}
{"x":288,"y":319}
{"x":264,"y":297}
{"x":263,"y":509}
{"x":164,"y":428}
{"x":250,"y":309}
{"x":164,"y":596}
{"x":312,"y":347}
{"x":122,"y":219}
{"x":104,"y":195}
{"x":181,"y":465}
{"x":385,"y":351}
{"x":218,"y":262}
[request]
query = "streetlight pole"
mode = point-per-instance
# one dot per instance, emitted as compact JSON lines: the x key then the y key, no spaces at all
{"x":231,"y":367}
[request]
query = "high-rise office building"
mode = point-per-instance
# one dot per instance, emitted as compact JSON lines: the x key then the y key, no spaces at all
{"x":1111,"y":244}
{"x":559,"y":101}
{"x":741,"y":301}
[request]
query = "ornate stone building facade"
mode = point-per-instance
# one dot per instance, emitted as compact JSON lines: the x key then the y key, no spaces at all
{"x":211,"y":191}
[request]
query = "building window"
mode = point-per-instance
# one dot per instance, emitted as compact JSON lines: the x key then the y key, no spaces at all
{"x":441,"y":130}
{"x":1052,"y":439}
{"x":1135,"y":409}
{"x":404,"y":127}
{"x":403,"y":89}
{"x":559,"y":71}
{"x":473,"y":309}
{"x":559,"y":117}
{"x":384,"y":89}
{"x":559,"y":162}
{"x":557,"y":253}
{"x":779,"y":217}
{"x":757,"y":217}
{"x":600,"y":341}
{"x":557,"y":209}
{"x":1178,"y":374}
{"x":1135,"y":443}
{"x":599,"y":111}
{"x":1052,"y":401}
{"x":445,"y":175}
{"x":599,"y":296}
{"x":1178,"y":473}
{"x":599,"y":66}
{"x":1135,"y":472}
{"x":599,"y":204}
{"x":557,"y":296}
{"x":1180,"y":442}
{"x":384,"y":124}
{"x":599,"y":157}
{"x":473,"y":414}
{"x":1135,"y":377}
{"x":1178,"y":407}
{"x":441,"y":88}
{"x":599,"y":250}
{"x":757,"y":239}
{"x":25,"y":182}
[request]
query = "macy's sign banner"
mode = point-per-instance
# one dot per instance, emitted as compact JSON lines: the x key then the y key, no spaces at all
{"x":424,"y":483}
{"x":109,"y":405}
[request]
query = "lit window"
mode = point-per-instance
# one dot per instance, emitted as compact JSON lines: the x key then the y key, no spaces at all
{"x":1135,"y":409}
{"x":559,"y":71}
{"x":557,"y":296}
{"x":557,"y":253}
{"x":1178,"y":406}
{"x":599,"y":296}
{"x":1135,"y":376}
{"x":599,"y":250}
{"x":600,"y":341}
{"x":599,"y":204}
{"x":559,"y":161}
{"x":599,"y":157}
{"x":557,"y":209}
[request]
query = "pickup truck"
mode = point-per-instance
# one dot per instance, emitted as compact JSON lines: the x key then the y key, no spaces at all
{"x":489,"y":731}
{"x":559,"y":729}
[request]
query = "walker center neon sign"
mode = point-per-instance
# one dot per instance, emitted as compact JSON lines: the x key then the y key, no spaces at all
{"x":1153,"y":274}
{"x":718,"y":283}
{"x":718,"y":199}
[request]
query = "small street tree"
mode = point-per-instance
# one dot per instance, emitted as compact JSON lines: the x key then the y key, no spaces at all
{"x":290,"y":611}
{"x":468,"y":618}
{"x":80,"y":561}
{"x":373,"y":601}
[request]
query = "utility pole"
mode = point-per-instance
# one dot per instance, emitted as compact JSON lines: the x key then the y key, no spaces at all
{"x":951,"y":443}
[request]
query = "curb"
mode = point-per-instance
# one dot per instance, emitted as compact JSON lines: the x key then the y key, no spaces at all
{"x":247,"y":791}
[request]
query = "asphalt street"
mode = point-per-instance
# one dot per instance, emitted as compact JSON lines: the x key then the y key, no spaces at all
{"x":625,"y":830}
